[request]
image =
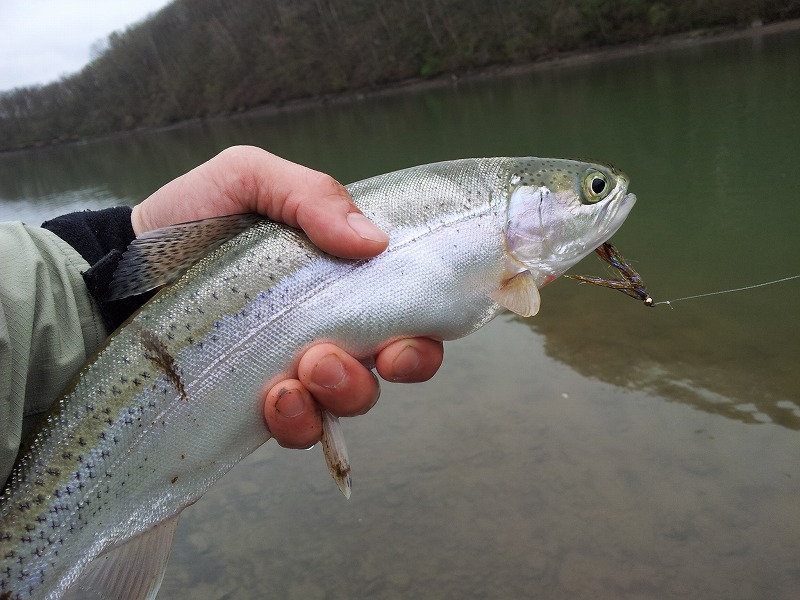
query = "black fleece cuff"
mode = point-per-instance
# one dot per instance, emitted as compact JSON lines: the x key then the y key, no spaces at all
{"x":101,"y":237}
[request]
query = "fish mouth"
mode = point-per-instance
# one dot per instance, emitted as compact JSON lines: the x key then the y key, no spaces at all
{"x":608,"y":220}
{"x":614,"y":215}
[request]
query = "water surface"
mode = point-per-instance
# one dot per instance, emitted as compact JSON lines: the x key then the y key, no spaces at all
{"x":598,"y":450}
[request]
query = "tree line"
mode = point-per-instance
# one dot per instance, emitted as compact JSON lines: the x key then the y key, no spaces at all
{"x":197,"y":58}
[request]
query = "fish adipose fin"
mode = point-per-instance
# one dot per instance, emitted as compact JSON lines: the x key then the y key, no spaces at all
{"x":132,"y":571}
{"x":159,"y":257}
{"x":519,"y":295}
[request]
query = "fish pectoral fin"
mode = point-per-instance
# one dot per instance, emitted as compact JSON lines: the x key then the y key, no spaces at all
{"x":131,"y":571}
{"x":159,"y":257}
{"x":519,"y":295}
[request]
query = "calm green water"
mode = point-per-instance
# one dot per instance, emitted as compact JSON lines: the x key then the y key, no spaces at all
{"x":598,"y":450}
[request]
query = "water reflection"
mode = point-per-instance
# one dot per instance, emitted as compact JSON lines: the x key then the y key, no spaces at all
{"x":690,"y":354}
{"x":120,"y":170}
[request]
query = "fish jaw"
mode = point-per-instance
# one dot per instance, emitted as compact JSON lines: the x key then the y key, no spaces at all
{"x":550,"y":225}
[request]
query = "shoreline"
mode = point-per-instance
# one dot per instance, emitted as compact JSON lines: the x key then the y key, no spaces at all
{"x":677,"y":41}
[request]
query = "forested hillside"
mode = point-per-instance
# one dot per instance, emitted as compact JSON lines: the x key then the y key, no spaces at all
{"x":196,"y":58}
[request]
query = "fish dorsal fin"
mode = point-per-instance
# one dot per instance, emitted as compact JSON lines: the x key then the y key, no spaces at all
{"x":131,"y":571}
{"x":159,"y":257}
{"x":519,"y":294}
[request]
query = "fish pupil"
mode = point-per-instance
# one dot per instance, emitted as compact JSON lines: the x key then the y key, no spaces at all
{"x":598,"y":185}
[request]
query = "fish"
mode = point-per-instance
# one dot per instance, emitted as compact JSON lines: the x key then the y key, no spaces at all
{"x":631,"y":283}
{"x":170,"y":402}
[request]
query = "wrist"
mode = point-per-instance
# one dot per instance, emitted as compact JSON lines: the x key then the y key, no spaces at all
{"x":137,"y":223}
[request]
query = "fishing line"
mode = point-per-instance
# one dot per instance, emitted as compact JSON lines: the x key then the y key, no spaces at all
{"x":741,"y":289}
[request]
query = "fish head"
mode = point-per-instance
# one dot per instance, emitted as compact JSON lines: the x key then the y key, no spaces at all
{"x":557,"y":212}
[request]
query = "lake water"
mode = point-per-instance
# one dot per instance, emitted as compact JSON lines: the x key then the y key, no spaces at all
{"x":598,"y":450}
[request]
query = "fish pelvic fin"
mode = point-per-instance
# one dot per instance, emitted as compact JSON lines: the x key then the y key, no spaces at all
{"x":159,"y":257}
{"x":519,"y":295}
{"x":131,"y":571}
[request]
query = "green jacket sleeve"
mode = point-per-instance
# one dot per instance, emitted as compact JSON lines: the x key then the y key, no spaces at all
{"x":49,"y":325}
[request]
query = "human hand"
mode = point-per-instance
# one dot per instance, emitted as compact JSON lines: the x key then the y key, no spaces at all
{"x":245,"y":179}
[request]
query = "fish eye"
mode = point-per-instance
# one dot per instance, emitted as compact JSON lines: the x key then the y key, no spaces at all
{"x":595,"y":187}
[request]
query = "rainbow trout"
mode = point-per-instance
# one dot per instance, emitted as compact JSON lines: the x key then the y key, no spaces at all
{"x":171,"y":402}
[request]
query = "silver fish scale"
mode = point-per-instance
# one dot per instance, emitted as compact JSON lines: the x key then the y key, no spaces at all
{"x":172,"y":400}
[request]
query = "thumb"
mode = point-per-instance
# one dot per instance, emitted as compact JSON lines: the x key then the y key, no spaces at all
{"x":313,"y":201}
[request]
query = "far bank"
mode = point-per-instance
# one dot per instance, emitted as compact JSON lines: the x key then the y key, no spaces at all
{"x":74,"y":119}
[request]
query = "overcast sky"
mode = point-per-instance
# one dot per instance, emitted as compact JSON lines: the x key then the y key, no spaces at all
{"x":41,"y":40}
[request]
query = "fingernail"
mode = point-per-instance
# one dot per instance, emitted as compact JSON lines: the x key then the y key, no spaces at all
{"x":290,"y":403}
{"x":366,"y":228}
{"x":405,"y":363}
{"x":328,"y":372}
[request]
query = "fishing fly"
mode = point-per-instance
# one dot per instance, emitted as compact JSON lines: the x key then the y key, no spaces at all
{"x":631,"y":282}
